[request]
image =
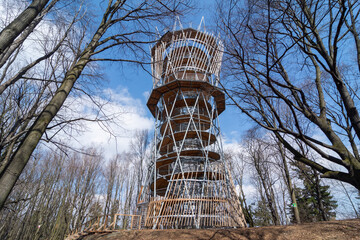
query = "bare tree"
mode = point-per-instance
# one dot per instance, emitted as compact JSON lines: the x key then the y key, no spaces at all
{"x":125,"y":25}
{"x":18,"y":25}
{"x":287,"y":179}
{"x":30,"y":27}
{"x":259,"y":156}
{"x":289,"y":70}
{"x":350,"y":200}
{"x":60,"y":193}
{"x":139,"y":146}
{"x":238,"y":166}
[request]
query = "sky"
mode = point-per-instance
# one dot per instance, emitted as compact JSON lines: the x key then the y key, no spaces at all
{"x":129,"y":87}
{"x":133,"y":83}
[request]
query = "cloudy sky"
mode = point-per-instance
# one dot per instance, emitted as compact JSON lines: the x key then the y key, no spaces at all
{"x":129,"y":87}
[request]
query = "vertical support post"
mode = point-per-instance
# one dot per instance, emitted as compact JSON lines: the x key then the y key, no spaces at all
{"x":193,"y":188}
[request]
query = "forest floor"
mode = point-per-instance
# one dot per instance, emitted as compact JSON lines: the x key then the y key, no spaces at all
{"x":341,"y":230}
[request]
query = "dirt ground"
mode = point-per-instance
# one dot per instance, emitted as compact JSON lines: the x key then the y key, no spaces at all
{"x":341,"y":230}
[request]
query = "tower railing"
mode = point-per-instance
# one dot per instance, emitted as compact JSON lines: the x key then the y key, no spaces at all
{"x":189,"y":185}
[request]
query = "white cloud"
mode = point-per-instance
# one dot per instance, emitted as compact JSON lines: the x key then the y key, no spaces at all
{"x":127,"y":115}
{"x":250,"y":192}
{"x":146,"y":95}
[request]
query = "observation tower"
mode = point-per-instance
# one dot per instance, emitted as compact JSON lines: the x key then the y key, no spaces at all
{"x":189,"y":184}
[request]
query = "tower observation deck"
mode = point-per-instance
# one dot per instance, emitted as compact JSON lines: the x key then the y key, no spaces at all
{"x":189,"y":184}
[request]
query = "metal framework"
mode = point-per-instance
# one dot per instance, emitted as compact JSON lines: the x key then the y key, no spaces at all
{"x":189,"y":185}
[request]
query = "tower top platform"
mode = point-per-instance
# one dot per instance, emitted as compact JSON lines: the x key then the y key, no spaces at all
{"x":186,"y":54}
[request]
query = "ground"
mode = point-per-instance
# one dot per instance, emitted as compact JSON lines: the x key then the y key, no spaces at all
{"x":341,"y":230}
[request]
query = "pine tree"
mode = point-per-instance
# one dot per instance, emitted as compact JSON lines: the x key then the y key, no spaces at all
{"x":261,"y":214}
{"x":314,"y":200}
{"x":248,"y":212}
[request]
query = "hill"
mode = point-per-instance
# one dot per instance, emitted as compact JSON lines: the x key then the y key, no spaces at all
{"x":341,"y":230}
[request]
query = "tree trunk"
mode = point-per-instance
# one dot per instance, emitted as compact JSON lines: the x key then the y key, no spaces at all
{"x":246,"y":208}
{"x":23,"y":153}
{"x":21,"y":157}
{"x":289,"y":185}
{"x":5,"y":55}
{"x":269,"y":193}
{"x":17,"y":26}
{"x":350,"y":200}
{"x":320,"y":198}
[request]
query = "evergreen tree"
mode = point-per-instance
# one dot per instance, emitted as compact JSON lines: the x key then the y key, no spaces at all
{"x":248,"y":212}
{"x":261,"y":215}
{"x":314,"y":200}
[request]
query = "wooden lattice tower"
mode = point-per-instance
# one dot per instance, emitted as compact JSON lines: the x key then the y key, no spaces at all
{"x":189,"y":185}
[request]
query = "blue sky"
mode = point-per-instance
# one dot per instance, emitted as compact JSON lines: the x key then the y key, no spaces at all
{"x":139,"y":83}
{"x":130,"y":85}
